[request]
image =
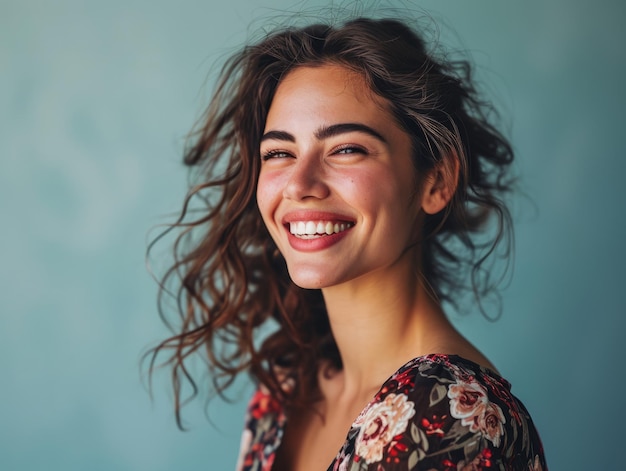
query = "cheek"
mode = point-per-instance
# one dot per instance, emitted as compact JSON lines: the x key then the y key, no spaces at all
{"x":359,"y":186}
{"x":375,"y":189}
{"x":392,"y":198}
{"x":267,"y":194}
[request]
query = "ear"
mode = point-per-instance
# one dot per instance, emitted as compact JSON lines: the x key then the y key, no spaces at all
{"x":440,"y":184}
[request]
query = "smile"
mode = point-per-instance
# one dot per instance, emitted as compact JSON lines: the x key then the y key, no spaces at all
{"x":315,"y":229}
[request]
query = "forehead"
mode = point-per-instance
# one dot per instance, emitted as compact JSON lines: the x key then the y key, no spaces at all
{"x":327,"y":73}
{"x":328,"y":87}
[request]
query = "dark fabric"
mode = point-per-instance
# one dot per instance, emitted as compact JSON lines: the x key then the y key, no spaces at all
{"x":437,"y":412}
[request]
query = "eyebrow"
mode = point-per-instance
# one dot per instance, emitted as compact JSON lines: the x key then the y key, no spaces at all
{"x":327,"y":131}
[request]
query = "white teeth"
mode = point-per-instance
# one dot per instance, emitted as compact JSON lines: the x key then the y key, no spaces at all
{"x":310,"y":229}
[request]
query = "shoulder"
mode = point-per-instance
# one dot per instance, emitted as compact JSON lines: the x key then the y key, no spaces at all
{"x":262,"y":434}
{"x":445,"y":412}
{"x":264,"y":405}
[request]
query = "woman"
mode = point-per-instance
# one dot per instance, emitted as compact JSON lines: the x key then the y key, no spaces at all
{"x":347,"y":174}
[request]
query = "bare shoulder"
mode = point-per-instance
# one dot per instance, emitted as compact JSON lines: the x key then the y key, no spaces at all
{"x":451,"y":342}
{"x":473,"y":354}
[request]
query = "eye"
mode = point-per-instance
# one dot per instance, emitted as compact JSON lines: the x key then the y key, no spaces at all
{"x":275,"y":154}
{"x":349,"y":149}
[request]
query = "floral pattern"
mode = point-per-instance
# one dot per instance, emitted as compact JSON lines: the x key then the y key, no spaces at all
{"x":379,"y":423}
{"x":437,"y":412}
{"x":469,"y":402}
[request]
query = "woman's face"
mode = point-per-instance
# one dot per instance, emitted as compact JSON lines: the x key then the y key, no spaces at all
{"x":337,"y":187}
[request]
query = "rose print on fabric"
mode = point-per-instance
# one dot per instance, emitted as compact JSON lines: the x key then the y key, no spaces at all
{"x":469,"y":402}
{"x":491,"y":423}
{"x":380,"y":423}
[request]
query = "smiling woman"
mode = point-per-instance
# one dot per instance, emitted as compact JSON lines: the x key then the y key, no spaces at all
{"x":346,"y":165}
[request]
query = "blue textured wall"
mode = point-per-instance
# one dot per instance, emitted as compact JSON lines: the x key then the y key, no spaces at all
{"x":95,"y":99}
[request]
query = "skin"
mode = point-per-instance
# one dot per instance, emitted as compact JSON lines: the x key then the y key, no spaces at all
{"x":332,"y":152}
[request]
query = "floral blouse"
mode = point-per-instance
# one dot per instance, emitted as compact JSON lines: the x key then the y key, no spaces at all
{"x":437,"y":412}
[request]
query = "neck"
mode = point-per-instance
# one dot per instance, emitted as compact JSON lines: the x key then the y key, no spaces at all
{"x":380,"y":322}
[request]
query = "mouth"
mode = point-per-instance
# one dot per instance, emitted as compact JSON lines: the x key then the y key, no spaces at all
{"x":317,"y":229}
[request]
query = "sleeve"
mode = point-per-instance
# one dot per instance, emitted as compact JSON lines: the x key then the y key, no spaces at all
{"x":262,"y":432}
{"x":442,"y":416}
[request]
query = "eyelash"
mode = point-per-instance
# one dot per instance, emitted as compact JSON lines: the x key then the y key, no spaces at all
{"x":274,"y":154}
{"x":351,"y":148}
{"x":354,"y":149}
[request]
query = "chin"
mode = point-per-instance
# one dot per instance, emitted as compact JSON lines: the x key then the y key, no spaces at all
{"x":309,"y":279}
{"x":306,"y":283}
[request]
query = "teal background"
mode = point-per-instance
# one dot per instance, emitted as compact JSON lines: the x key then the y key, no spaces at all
{"x":95,"y":100}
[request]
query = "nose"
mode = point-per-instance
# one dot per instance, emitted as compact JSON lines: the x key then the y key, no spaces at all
{"x":306,"y":180}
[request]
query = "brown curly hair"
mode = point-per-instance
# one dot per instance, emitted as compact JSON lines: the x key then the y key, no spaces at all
{"x":231,"y":281}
